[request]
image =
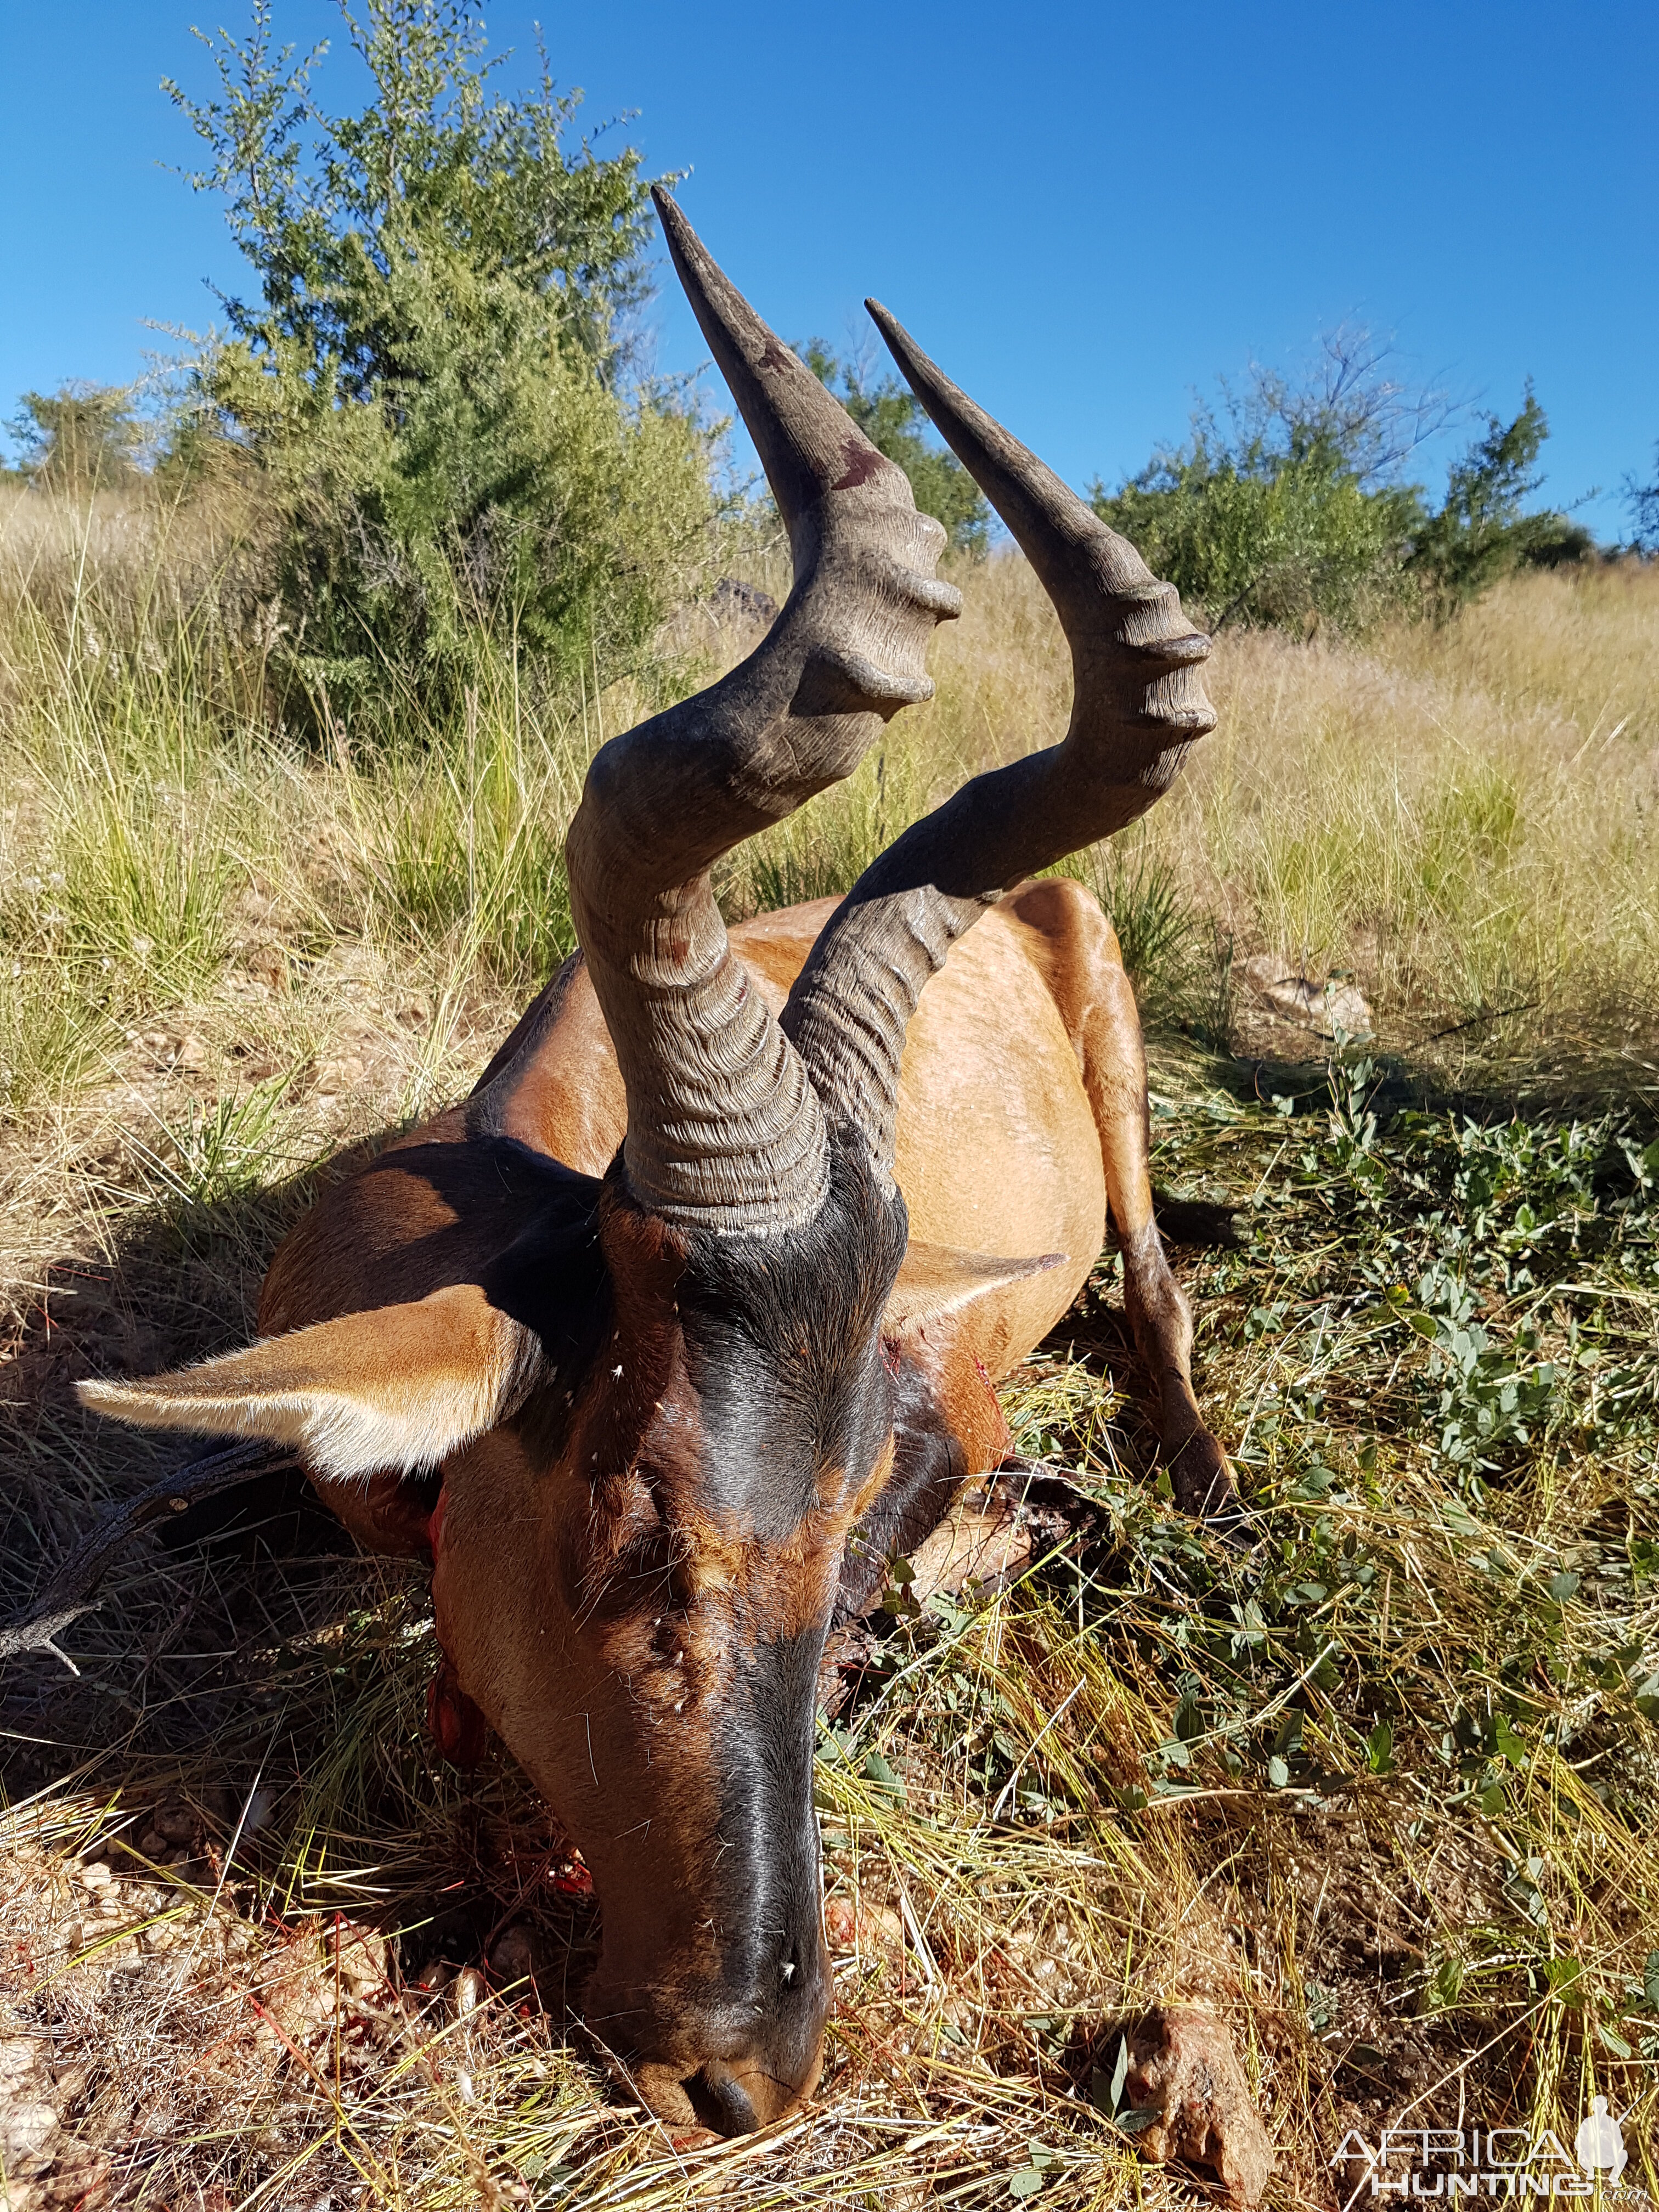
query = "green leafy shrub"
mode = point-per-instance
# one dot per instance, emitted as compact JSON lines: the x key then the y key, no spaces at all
{"x":1294,"y":512}
{"x":1480,"y":531}
{"x":1492,"y":1398}
{"x":1288,"y":539}
{"x":432,"y":377}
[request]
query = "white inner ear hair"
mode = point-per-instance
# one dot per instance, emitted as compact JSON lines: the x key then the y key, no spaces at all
{"x":404,"y":1422}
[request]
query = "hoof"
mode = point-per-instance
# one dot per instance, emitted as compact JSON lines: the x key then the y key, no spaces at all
{"x":1201,"y":1476}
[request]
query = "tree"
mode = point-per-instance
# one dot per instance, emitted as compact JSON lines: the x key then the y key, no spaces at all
{"x":1643,"y":502}
{"x":1480,"y":531}
{"x":432,"y":372}
{"x":438,"y":166}
{"x":83,"y":439}
{"x":895,"y":422}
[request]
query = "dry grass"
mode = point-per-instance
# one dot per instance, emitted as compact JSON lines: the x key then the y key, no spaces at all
{"x":1386,"y":1794}
{"x":1461,"y":818}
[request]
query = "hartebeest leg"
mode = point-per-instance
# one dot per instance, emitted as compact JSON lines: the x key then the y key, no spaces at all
{"x":1115,"y":1076}
{"x":1084,"y":967}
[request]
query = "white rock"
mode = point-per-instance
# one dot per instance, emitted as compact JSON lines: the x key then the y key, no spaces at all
{"x":22,"y":2066}
{"x":1323,"y":1007}
{"x":27,"y":2131}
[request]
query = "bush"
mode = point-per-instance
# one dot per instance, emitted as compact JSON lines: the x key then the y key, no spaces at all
{"x":85,"y":437}
{"x":1293,"y":510}
{"x":1480,"y":531}
{"x":1285,"y":507}
{"x":431,"y":378}
{"x":1289,"y":539}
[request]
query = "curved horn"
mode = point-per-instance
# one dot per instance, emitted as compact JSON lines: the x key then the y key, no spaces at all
{"x":1138,"y":704}
{"x":724,"y":1129}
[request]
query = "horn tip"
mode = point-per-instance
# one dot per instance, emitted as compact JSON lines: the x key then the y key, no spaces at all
{"x":669,"y":212}
{"x":691,"y":258}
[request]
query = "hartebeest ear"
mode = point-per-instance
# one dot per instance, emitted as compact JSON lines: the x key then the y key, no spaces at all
{"x":399,"y":1387}
{"x":937,"y":1281}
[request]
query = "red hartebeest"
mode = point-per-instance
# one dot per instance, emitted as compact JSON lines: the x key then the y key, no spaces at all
{"x":642,"y":1343}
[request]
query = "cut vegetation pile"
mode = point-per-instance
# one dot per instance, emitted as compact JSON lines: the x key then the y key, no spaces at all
{"x":1381,"y":1792}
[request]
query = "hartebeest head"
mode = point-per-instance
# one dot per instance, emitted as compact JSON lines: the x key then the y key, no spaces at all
{"x":661,"y":1403}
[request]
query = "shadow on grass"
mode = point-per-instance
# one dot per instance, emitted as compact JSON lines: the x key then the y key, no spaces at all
{"x":1581,"y":1078}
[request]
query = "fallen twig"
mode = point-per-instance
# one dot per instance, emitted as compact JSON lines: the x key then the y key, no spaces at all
{"x":73,"y":1589}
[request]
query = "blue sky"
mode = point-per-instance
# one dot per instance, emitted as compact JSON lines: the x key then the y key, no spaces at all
{"x":1085,"y":212}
